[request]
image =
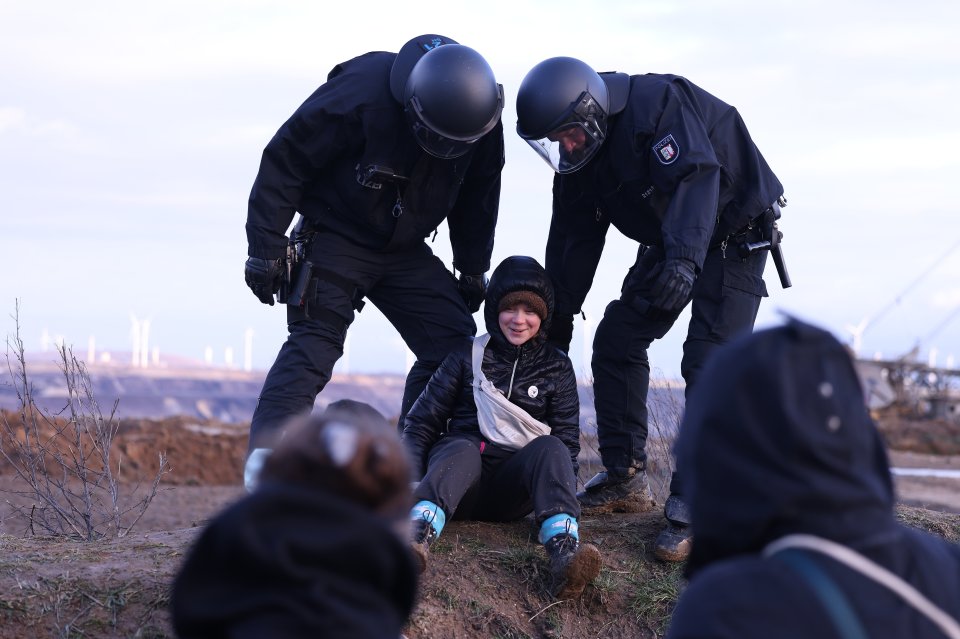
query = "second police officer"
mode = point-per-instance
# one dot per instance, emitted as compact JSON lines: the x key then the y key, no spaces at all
{"x":390,"y":146}
{"x":674,"y":168}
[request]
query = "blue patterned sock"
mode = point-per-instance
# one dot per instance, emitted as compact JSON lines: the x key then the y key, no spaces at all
{"x":558,"y":525}
{"x":430,"y":512}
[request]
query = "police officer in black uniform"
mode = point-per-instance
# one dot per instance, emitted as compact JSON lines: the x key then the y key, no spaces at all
{"x":381,"y":153}
{"x":674,"y":168}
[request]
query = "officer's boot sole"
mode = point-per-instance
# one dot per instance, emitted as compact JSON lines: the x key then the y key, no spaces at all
{"x":673,"y":544}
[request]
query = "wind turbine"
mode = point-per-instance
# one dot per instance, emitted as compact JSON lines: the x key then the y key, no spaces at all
{"x":135,"y":339}
{"x":856,"y":334}
{"x":858,"y":330}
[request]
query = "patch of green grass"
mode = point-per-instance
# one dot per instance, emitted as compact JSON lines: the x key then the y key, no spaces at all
{"x":485,"y":618}
{"x":471,"y":544}
{"x":608,"y":581}
{"x":441,"y":595}
{"x":69,"y":607}
{"x":522,"y":560}
{"x":655,"y":589}
{"x":553,"y":623}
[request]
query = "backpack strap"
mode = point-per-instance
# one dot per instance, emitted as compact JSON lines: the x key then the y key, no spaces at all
{"x":833,"y":600}
{"x":852,"y":559}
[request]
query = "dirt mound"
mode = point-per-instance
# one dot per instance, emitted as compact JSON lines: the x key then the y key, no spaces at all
{"x":903,"y":432}
{"x":482,"y":580}
{"x":199,"y":452}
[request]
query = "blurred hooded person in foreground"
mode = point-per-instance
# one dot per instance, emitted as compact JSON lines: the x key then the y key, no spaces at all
{"x":791,"y":497}
{"x":318,"y":549}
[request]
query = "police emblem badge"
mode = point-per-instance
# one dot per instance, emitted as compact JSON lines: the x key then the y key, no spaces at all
{"x":667,"y":150}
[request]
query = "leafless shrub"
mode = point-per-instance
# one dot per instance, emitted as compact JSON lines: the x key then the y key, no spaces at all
{"x":71,"y":484}
{"x":665,"y":407}
{"x":665,"y":404}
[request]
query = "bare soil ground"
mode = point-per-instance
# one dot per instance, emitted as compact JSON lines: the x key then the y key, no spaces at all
{"x":483,"y":579}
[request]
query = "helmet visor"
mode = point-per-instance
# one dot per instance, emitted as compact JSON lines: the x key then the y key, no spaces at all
{"x":434,"y":143}
{"x":578,"y":137}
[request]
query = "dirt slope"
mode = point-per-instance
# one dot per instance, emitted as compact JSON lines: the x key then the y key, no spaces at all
{"x":484,"y":580}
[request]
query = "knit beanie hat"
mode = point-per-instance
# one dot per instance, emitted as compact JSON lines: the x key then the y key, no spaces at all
{"x":533,"y":301}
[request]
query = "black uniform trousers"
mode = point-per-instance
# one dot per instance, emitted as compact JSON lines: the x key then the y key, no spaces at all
{"x":412,"y":288}
{"x":725,"y":300}
{"x":476,"y":480}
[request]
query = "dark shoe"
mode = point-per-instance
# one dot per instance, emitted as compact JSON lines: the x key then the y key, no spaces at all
{"x":619,"y":494}
{"x":572,"y":565}
{"x":674,"y":542}
{"x":422,"y":536}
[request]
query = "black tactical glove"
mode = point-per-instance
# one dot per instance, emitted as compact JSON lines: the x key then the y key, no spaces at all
{"x":561,"y":332}
{"x":672,"y":289}
{"x":263,"y":277}
{"x":473,"y":288}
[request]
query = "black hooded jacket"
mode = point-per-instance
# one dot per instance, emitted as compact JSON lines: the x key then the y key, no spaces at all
{"x":449,"y":394}
{"x":351,"y":122}
{"x":778,"y":441}
{"x":714,"y":183}
{"x":289,"y":561}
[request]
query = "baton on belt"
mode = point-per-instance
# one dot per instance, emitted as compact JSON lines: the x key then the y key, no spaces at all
{"x":773,"y":244}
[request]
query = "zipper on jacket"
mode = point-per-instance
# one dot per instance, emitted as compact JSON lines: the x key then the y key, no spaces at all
{"x":398,"y":205}
{"x":514,"y":371}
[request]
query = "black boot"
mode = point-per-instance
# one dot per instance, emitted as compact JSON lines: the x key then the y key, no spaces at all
{"x":607,"y":492}
{"x":422,"y":536}
{"x":674,"y":542}
{"x":572,"y":565}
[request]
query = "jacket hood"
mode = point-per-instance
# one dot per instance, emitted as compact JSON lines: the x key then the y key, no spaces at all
{"x":517,"y":273}
{"x":777,"y":439}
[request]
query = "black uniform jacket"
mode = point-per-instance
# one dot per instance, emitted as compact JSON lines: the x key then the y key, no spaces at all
{"x":512,"y":369}
{"x":349,"y":124}
{"x":777,"y":441}
{"x":678,"y":170}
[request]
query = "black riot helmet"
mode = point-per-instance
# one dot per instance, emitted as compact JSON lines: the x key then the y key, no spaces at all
{"x":449,"y":94}
{"x":562,"y":109}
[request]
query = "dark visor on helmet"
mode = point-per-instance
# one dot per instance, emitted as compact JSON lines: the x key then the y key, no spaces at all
{"x":443,"y":146}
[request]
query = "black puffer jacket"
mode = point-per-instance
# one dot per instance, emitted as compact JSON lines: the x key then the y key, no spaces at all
{"x":449,"y":394}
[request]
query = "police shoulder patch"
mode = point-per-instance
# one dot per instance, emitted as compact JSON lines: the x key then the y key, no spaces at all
{"x":667,"y":150}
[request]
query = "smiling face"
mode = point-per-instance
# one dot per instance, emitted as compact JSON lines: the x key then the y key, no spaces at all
{"x":519,"y":323}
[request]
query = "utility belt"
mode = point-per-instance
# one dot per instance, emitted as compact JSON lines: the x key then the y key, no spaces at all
{"x":761,"y":234}
{"x":298,"y":286}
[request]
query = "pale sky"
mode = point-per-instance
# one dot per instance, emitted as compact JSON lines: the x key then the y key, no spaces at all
{"x":130,"y":134}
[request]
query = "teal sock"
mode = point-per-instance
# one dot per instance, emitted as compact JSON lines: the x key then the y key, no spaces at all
{"x":558,"y":525}
{"x":430,"y":512}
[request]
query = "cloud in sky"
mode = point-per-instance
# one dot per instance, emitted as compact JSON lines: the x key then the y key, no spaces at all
{"x":130,"y":134}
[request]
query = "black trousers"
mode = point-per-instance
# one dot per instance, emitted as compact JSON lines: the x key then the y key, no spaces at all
{"x":412,"y":288}
{"x":725,"y":300}
{"x":499,"y":484}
